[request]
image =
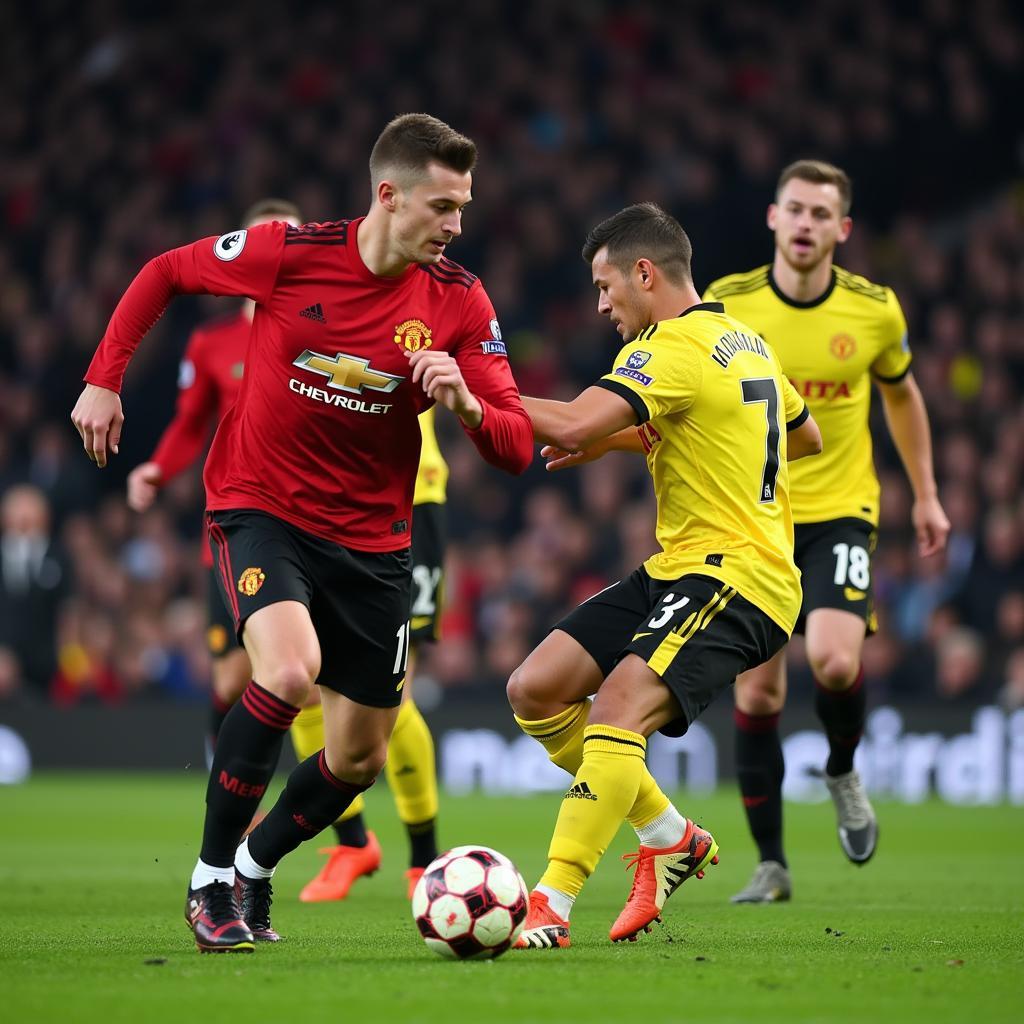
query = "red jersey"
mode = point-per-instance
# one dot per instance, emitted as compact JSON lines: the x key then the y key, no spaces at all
{"x":324,"y":432}
{"x":209,"y":379}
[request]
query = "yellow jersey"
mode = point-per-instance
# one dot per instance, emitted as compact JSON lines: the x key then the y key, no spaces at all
{"x":830,"y":349}
{"x":432,"y":475}
{"x":713,"y":406}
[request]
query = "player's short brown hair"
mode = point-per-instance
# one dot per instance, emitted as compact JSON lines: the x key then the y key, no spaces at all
{"x":818,"y":172}
{"x":643,"y":231}
{"x":270,"y":207}
{"x":411,"y":142}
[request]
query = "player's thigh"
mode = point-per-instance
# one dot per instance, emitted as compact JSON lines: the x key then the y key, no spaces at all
{"x":835,"y":563}
{"x":762,"y":690}
{"x":265,"y":585}
{"x":360,"y":609}
{"x":699,"y":637}
{"x":427,"y":592}
{"x":572,"y":661}
{"x":355,"y":736}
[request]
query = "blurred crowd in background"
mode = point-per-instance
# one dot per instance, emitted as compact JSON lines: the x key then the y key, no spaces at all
{"x":130,"y":128}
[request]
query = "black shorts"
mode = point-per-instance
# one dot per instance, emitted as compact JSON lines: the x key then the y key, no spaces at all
{"x":428,"y":542}
{"x":834,"y":559}
{"x":696,"y":632}
{"x":358,"y":600}
{"x":220,"y":627}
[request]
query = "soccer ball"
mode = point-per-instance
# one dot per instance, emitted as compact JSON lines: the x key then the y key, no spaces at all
{"x":470,"y":903}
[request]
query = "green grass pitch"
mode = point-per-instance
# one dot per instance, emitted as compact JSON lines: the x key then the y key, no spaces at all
{"x":93,"y":872}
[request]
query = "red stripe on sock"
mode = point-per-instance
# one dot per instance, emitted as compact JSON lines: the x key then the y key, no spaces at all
{"x":756,"y":724}
{"x":340,"y":784}
{"x":270,"y":710}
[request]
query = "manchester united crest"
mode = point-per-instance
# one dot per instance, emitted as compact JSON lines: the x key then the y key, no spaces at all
{"x":842,"y":346}
{"x":250,"y":581}
{"x":412,"y":335}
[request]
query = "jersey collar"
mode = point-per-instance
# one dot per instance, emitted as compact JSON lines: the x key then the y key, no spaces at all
{"x":796,"y":304}
{"x":362,"y":271}
{"x":707,"y":307}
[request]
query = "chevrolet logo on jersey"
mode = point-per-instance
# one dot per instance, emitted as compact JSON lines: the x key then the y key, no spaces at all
{"x":348,"y":373}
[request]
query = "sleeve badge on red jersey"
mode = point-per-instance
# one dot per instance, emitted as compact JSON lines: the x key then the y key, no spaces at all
{"x":494,"y":346}
{"x":229,"y":247}
{"x":186,"y":374}
{"x":412,"y":335}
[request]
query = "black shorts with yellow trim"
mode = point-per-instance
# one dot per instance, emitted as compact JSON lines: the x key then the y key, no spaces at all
{"x":697,"y":633}
{"x":834,"y":559}
{"x":358,"y":600}
{"x":220,"y":627}
{"x":428,"y":544}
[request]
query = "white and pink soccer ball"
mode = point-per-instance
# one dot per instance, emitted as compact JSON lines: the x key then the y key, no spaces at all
{"x":470,"y":903}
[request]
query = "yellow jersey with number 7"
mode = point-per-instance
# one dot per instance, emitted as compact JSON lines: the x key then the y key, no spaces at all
{"x":713,"y":408}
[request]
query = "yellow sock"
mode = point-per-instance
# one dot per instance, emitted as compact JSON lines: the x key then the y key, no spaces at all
{"x":562,"y":737}
{"x":307,"y":734}
{"x":411,"y":772}
{"x":603,"y":791}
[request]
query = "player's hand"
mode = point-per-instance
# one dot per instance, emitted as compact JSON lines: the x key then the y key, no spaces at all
{"x":559,"y":458}
{"x":143,"y":483}
{"x":98,"y":418}
{"x":930,"y":525}
{"x":439,"y":375}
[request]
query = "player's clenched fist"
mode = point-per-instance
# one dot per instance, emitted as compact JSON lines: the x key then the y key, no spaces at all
{"x":441,"y":379}
{"x":143,"y":484}
{"x":98,"y":418}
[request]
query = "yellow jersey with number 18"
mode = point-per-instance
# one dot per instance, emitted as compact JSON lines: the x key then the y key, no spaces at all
{"x":830,"y":348}
{"x":714,"y":406}
{"x":432,"y":475}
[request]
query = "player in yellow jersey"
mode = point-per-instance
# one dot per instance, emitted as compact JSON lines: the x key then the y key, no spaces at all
{"x":410,"y":768}
{"x":717,"y":420}
{"x":834,"y":333}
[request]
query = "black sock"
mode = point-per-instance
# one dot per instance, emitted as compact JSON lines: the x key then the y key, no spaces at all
{"x":351,"y":831}
{"x":422,"y":843}
{"x":760,"y":767}
{"x":218,"y":712}
{"x":842,"y":715}
{"x":312,"y":799}
{"x":247,"y":751}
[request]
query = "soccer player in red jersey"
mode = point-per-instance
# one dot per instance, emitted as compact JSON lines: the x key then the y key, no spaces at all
{"x":208,"y":383}
{"x":359,"y":326}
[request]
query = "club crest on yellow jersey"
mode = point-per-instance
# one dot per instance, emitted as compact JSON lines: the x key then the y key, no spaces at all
{"x":412,"y":335}
{"x":842,"y":346}
{"x":250,"y":581}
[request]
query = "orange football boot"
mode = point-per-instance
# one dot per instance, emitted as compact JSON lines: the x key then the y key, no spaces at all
{"x":543,"y":928}
{"x":344,"y":865}
{"x":412,"y":876}
{"x":658,"y":874}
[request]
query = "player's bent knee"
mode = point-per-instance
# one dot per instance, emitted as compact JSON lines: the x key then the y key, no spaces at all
{"x":532,"y":695}
{"x":836,"y":670}
{"x":290,"y":680}
{"x":358,"y":767}
{"x":759,"y":694}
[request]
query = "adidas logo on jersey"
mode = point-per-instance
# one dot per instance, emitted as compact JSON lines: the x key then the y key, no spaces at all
{"x":314,"y":312}
{"x":581,"y":791}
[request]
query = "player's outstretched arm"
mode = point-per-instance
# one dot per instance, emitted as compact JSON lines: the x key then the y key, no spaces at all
{"x":575,"y":426}
{"x":627,"y":440}
{"x":907,"y":418}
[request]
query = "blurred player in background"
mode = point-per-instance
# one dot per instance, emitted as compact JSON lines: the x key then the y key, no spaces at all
{"x":360,"y":326}
{"x":834,"y":333}
{"x":717,"y":420}
{"x":208,"y":383}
